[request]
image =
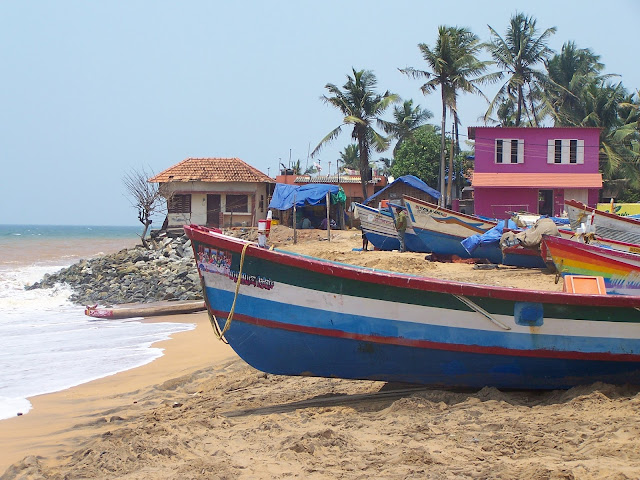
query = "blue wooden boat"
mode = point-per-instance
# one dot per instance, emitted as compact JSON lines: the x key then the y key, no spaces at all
{"x":379,"y":227}
{"x":442,"y":231}
{"x":295,"y":315}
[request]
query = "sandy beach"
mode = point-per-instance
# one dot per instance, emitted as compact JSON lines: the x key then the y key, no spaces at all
{"x":201,"y":412}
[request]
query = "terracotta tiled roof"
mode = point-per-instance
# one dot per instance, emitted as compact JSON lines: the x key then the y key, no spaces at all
{"x":538,"y":180}
{"x":212,"y":170}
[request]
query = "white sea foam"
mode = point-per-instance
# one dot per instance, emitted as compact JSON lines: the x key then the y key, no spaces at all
{"x":47,"y":344}
{"x":10,"y":407}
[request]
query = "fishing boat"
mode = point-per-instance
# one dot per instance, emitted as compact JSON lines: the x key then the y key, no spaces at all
{"x":442,"y":231}
{"x":620,"y":270}
{"x":379,"y":226}
{"x":291,"y":314}
{"x":131,"y":310}
{"x":608,"y":225}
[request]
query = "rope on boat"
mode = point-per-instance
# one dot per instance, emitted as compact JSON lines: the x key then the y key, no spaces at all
{"x":481,"y":311}
{"x":212,"y":318}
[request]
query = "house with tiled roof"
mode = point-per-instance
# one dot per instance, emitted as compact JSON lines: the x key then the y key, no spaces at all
{"x":217,"y":192}
{"x":534,"y":169}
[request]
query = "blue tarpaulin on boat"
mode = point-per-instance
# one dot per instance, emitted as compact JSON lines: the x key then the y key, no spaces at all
{"x":490,"y":236}
{"x":310,"y":194}
{"x":410,"y":180}
{"x":560,"y":220}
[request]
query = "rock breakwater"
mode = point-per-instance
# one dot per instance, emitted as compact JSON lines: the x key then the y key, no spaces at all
{"x":135,"y":275}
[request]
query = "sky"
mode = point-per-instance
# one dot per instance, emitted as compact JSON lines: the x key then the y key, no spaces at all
{"x":92,"y":91}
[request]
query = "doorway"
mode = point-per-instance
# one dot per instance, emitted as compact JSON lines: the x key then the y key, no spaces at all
{"x":213,"y":210}
{"x":545,"y":202}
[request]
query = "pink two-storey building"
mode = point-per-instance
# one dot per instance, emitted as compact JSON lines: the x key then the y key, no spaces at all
{"x":534,"y":169}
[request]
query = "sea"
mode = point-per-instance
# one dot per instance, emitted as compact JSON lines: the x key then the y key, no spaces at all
{"x":47,"y":344}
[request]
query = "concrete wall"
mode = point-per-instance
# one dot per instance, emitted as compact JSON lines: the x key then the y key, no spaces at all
{"x":535,"y":149}
{"x":492,"y":202}
{"x":257,"y":202}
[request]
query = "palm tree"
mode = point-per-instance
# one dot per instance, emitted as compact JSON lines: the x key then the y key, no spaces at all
{"x":569,"y":72}
{"x":386,"y":163}
{"x":454,"y":67}
{"x":407,"y":119}
{"x":600,"y":104}
{"x":361,"y":107}
{"x":350,"y":157}
{"x":516,"y":55}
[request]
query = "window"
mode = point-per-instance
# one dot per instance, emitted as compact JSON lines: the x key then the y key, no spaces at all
{"x":573,"y":151}
{"x":179,"y":203}
{"x":514,"y":151}
{"x":509,"y":150}
{"x":498,"y":151}
{"x":565,"y":151}
{"x":237,"y":203}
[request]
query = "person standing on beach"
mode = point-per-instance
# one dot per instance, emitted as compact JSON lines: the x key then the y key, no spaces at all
{"x":401,"y":226}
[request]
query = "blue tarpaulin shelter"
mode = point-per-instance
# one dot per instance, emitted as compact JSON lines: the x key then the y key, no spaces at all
{"x":412,"y":181}
{"x":309,"y":194}
{"x":490,"y":236}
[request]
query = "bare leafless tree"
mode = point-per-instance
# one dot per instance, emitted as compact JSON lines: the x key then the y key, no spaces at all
{"x":145,"y":196}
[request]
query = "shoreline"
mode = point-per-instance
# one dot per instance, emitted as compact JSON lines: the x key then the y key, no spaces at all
{"x":58,"y":422}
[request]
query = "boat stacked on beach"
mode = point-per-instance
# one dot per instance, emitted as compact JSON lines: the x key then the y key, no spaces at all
{"x":607,"y":225}
{"x":613,"y":259}
{"x":294,"y":315}
{"x":438,"y":230}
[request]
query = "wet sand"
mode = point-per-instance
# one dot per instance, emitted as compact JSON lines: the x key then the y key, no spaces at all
{"x":201,"y":412}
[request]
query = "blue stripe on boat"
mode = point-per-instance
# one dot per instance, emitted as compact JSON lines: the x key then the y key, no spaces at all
{"x":352,"y":358}
{"x":356,"y":324}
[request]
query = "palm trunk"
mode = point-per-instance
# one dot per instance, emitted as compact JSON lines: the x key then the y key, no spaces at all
{"x":519,"y":112}
{"x":442,"y":148}
{"x":449,"y":202}
{"x":364,"y":163}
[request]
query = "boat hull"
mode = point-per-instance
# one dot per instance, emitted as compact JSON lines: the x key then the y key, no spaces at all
{"x":442,"y":231}
{"x":608,"y":225}
{"x":145,"y":309}
{"x":300,"y":316}
{"x":380,"y":230}
{"x":620,"y":270}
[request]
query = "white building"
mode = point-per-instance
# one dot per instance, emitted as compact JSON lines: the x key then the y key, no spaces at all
{"x":216,"y":192}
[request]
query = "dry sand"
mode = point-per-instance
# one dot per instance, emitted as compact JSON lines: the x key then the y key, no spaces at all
{"x":201,"y":412}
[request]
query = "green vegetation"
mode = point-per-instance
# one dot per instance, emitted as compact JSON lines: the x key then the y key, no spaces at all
{"x":540,"y":88}
{"x":419,"y":156}
{"x":361,"y":107}
{"x":516,"y":55}
{"x":453,"y":67}
{"x":350,"y":157}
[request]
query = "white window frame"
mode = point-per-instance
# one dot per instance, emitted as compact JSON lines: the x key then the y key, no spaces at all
{"x":565,"y":155}
{"x":506,"y":151}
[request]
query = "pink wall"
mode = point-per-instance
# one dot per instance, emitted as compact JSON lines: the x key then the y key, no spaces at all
{"x":488,"y":201}
{"x":535,"y":149}
{"x":493,"y":202}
